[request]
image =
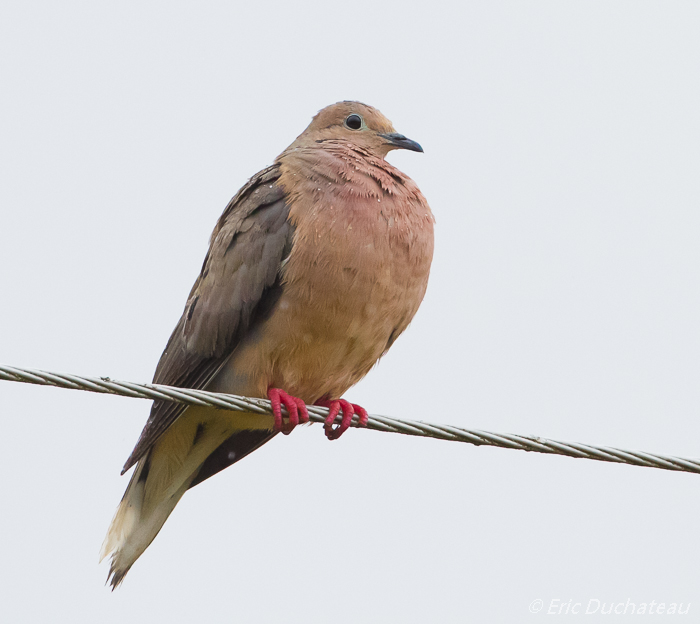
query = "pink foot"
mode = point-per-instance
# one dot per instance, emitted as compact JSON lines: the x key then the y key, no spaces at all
{"x":349,"y":410}
{"x":295,"y":407}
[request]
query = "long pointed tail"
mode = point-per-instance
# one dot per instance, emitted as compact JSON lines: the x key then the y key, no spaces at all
{"x":199,"y":444}
{"x":157,"y":485}
{"x":136,"y":523}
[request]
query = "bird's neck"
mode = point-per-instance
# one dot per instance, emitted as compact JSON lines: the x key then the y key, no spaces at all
{"x":340,"y":169}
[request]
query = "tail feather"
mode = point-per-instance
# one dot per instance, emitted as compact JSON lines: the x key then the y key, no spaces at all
{"x":202,"y":440}
{"x":157,"y":485}
{"x":135,"y":526}
{"x":126,"y":515}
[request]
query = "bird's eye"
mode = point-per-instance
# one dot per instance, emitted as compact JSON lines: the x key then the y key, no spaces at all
{"x":354,"y":122}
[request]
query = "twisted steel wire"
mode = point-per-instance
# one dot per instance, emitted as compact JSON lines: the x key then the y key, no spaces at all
{"x":536,"y":444}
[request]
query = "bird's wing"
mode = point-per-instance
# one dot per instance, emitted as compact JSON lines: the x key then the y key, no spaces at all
{"x":238,"y":285}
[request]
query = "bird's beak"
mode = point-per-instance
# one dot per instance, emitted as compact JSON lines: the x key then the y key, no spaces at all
{"x":399,"y":141}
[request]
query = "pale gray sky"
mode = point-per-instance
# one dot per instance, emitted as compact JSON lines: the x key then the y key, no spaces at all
{"x":561,"y":161}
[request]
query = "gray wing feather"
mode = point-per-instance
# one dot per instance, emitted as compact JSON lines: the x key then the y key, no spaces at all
{"x":239,"y":283}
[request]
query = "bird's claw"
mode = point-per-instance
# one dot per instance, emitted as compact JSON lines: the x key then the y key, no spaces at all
{"x":349,"y":410}
{"x":296,"y":408}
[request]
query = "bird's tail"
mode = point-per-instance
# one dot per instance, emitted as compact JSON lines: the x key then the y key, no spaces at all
{"x":157,"y":485}
{"x":197,"y":445}
{"x":136,"y":522}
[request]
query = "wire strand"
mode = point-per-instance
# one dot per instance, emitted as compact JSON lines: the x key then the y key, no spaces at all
{"x":535,"y":444}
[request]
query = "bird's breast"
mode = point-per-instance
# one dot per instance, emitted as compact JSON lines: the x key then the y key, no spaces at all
{"x":356,"y":274}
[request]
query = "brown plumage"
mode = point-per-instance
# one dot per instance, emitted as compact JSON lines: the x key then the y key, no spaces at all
{"x":315,"y":267}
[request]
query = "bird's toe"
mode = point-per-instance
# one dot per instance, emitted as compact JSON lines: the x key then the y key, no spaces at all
{"x":296,"y":409}
{"x":349,"y":410}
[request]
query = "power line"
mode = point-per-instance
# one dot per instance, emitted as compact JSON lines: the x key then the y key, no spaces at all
{"x":536,"y":444}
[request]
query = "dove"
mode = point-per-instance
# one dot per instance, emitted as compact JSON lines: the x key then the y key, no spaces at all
{"x":314,"y":269}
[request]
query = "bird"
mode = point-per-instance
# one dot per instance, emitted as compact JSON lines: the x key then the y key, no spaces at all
{"x":315,"y":267}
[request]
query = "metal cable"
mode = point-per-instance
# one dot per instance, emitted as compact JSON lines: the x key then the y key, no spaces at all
{"x":105,"y":385}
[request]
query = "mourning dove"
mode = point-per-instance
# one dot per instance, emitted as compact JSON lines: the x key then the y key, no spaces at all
{"x":314,"y":269}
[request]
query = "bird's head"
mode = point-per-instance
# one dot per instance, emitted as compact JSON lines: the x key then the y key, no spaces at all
{"x":358,"y":124}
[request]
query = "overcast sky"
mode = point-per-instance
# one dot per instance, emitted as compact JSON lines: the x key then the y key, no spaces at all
{"x":562,"y":161}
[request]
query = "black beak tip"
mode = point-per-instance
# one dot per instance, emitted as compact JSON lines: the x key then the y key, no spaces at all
{"x":401,"y":142}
